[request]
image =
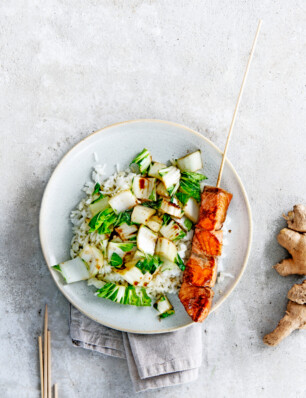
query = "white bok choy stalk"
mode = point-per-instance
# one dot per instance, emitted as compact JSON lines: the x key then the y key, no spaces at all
{"x":146,"y":240}
{"x":93,"y":257}
{"x":184,"y":222}
{"x":163,"y":306}
{"x":127,"y":232}
{"x":131,"y":273}
{"x":172,"y":231}
{"x":122,"y":201}
{"x":154,"y":223}
{"x":138,"y":255}
{"x":74,"y":270}
{"x":144,"y":188}
{"x":142,"y":214}
{"x":155,"y":168}
{"x":192,"y":210}
{"x":171,"y":208}
{"x":161,"y":190}
{"x":170,"y":176}
{"x":191,"y":162}
{"x":166,"y":249}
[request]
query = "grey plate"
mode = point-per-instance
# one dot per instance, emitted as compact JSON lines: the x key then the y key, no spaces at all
{"x":118,"y":144}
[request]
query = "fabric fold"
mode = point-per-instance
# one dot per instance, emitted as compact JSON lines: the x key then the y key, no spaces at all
{"x":91,"y":335}
{"x":160,"y":381}
{"x":168,"y":352}
{"x":154,"y":361}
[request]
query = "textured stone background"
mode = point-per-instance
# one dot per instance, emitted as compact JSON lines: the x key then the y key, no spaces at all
{"x":69,"y":68}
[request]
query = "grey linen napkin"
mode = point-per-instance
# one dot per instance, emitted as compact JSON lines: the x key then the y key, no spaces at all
{"x":154,"y":361}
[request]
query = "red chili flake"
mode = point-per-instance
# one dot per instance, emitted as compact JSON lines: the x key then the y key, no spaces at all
{"x":142,"y":183}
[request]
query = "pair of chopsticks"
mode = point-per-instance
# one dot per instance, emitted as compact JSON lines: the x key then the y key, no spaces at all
{"x":45,"y":362}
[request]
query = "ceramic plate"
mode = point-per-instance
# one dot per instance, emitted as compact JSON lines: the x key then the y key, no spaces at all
{"x":119,"y":144}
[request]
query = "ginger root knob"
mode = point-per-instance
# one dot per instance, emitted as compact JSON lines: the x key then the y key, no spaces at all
{"x":294,"y":240}
{"x":295,"y":318}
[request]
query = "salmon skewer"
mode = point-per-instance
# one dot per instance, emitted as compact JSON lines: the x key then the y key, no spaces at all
{"x":201,"y":269}
{"x":196,"y":292}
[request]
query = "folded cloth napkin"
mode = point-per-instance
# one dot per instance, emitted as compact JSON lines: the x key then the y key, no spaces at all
{"x":154,"y":361}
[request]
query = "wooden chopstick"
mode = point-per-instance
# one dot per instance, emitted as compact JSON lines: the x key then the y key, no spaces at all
{"x":46,"y":354}
{"x":49,"y":364}
{"x":41,"y":367}
{"x":45,"y":362}
{"x":55,"y":391}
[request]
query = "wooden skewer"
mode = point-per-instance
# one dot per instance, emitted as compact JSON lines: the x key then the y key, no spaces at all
{"x":238,"y":103}
{"x":49,"y":364}
{"x":41,"y":367}
{"x":55,"y":391}
{"x":46,"y":353}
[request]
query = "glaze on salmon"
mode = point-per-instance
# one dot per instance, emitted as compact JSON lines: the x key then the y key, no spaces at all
{"x":208,"y":243}
{"x":196,"y":300}
{"x":213,"y":209}
{"x":201,"y":271}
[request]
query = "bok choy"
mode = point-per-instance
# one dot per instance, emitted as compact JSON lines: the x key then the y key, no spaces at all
{"x":154,"y":223}
{"x":144,"y":188}
{"x":171,"y":208}
{"x":122,"y":201}
{"x":190,"y":184}
{"x":142,"y":214}
{"x":93,"y":257}
{"x":172,"y":231}
{"x":192,"y":210}
{"x":129,"y":295}
{"x":99,"y":204}
{"x":149,"y":264}
{"x":166,"y":249}
{"x":142,"y":161}
{"x":170,"y":176}
{"x":74,"y":270}
{"x":155,"y":168}
{"x":146,"y":240}
{"x":127,"y":232}
{"x":116,"y":252}
{"x":131,"y":273}
{"x":191,"y":162}
{"x":103,"y":222}
{"x":163,"y":306}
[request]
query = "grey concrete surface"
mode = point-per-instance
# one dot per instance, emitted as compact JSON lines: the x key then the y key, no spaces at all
{"x":68,"y":68}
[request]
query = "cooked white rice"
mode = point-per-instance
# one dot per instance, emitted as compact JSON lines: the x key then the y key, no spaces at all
{"x":167,"y":281}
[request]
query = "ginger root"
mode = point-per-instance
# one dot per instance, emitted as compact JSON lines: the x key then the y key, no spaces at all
{"x":296,"y":219}
{"x":295,"y":318}
{"x":294,"y":240}
{"x":298,"y":293}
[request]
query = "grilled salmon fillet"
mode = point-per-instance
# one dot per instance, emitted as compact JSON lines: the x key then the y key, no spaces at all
{"x":201,"y":271}
{"x":213,"y":209}
{"x":196,"y":300}
{"x":208,"y":243}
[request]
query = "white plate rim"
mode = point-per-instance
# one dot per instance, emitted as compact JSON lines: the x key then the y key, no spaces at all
{"x":209,"y":142}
